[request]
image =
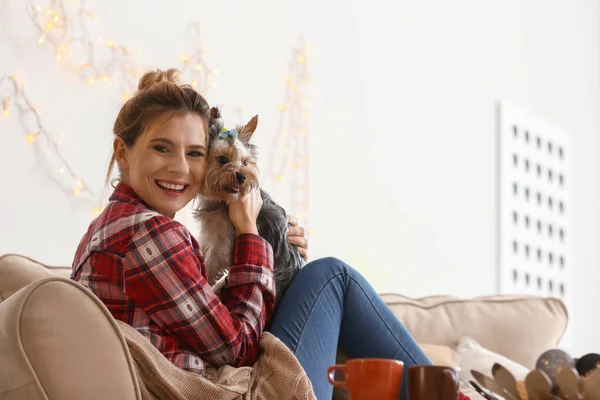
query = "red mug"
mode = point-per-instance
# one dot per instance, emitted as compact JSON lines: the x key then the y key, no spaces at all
{"x":369,"y":378}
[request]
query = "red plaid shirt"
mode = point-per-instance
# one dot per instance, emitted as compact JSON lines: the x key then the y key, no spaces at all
{"x":148,"y":270}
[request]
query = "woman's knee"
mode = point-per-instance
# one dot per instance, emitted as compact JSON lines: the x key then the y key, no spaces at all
{"x":328,"y":266}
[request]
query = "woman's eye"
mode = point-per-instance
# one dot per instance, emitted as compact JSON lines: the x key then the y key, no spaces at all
{"x":196,"y":154}
{"x":222,"y":160}
{"x":160,"y":149}
{"x":245,"y":163}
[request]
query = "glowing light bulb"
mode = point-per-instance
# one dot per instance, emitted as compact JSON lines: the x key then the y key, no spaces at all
{"x":125,"y":95}
{"x":215,"y":71}
{"x":302,"y":59}
{"x":30,"y":138}
{"x":104,"y":79}
{"x":286,"y":78}
{"x":312,"y":232}
{"x":194,"y":83}
{"x":91,"y":81}
{"x":280,"y":177}
{"x":286,"y":134}
{"x":6,"y":107}
{"x":41,"y":40}
{"x":49,"y":26}
{"x":96,"y":210}
{"x":77,"y":191}
{"x":58,"y":57}
{"x":62,"y":169}
{"x":198,"y":67}
{"x":214,"y":85}
{"x":183,"y":58}
{"x":281,"y":107}
{"x":109,"y":43}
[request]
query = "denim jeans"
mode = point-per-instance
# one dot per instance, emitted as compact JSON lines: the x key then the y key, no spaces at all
{"x":329,"y":304}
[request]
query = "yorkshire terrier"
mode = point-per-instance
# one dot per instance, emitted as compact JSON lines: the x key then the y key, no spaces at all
{"x":231,"y":172}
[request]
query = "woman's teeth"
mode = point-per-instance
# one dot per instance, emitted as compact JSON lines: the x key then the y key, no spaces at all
{"x":170,"y":186}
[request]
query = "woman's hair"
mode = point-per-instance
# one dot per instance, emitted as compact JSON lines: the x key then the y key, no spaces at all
{"x":159,"y":93}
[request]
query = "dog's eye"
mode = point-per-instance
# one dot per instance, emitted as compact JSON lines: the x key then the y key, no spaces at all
{"x":222,"y":160}
{"x":245,"y":163}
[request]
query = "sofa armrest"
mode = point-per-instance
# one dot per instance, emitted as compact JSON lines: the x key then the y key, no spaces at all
{"x":58,"y":341}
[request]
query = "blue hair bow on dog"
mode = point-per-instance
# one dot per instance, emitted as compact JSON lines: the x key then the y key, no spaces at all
{"x":230,"y":134}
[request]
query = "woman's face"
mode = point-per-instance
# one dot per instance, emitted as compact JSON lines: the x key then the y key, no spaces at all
{"x":167,"y":163}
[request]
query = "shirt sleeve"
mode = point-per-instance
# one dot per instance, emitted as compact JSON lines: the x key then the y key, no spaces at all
{"x":162,"y":275}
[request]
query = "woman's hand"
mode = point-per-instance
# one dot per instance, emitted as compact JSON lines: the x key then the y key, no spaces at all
{"x":297,"y":238}
{"x":244,"y":212}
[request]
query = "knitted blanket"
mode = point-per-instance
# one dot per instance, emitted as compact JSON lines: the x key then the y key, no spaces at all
{"x":276,"y":375}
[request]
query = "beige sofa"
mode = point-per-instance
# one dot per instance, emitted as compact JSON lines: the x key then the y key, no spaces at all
{"x":58,"y":341}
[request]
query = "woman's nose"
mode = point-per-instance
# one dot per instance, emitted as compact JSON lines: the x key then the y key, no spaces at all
{"x":178,"y":164}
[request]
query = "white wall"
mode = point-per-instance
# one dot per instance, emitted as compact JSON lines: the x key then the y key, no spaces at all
{"x":403,"y":146}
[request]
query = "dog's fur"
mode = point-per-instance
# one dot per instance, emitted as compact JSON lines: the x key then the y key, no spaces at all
{"x":229,"y":159}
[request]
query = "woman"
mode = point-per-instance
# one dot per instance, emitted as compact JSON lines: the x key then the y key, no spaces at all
{"x":148,"y":270}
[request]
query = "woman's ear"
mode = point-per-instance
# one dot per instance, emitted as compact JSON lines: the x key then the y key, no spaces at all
{"x":121,"y":153}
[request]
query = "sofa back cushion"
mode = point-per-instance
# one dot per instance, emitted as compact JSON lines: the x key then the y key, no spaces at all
{"x":495,"y":322}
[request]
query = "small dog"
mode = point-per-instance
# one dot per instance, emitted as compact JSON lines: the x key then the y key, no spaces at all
{"x":231,"y":172}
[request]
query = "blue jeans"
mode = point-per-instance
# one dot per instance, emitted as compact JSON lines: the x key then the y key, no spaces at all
{"x":329,"y":304}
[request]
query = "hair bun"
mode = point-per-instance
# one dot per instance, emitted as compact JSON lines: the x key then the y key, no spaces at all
{"x":154,"y":77}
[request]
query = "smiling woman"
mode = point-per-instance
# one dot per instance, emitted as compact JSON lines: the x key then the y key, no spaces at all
{"x":160,"y":142}
{"x":166,"y":165}
{"x":151,"y":273}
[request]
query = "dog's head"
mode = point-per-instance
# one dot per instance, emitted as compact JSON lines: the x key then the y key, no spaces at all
{"x":232,"y":169}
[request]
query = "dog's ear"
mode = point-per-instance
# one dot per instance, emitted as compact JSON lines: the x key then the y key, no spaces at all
{"x":213,"y":129}
{"x":214,"y":113}
{"x":248,"y":130}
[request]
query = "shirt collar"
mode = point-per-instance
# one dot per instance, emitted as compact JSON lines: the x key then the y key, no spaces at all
{"x":125,"y":193}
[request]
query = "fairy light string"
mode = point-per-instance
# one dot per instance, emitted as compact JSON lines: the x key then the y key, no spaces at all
{"x":63,"y":26}
{"x":15,"y":100}
{"x":290,"y":160}
{"x":194,"y":67}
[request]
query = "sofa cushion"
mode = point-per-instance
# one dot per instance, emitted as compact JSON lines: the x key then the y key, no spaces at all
{"x":441,"y":355}
{"x":496,"y":322}
{"x":474,"y":357}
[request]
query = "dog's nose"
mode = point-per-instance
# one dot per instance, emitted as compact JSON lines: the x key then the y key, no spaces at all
{"x":240,"y":178}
